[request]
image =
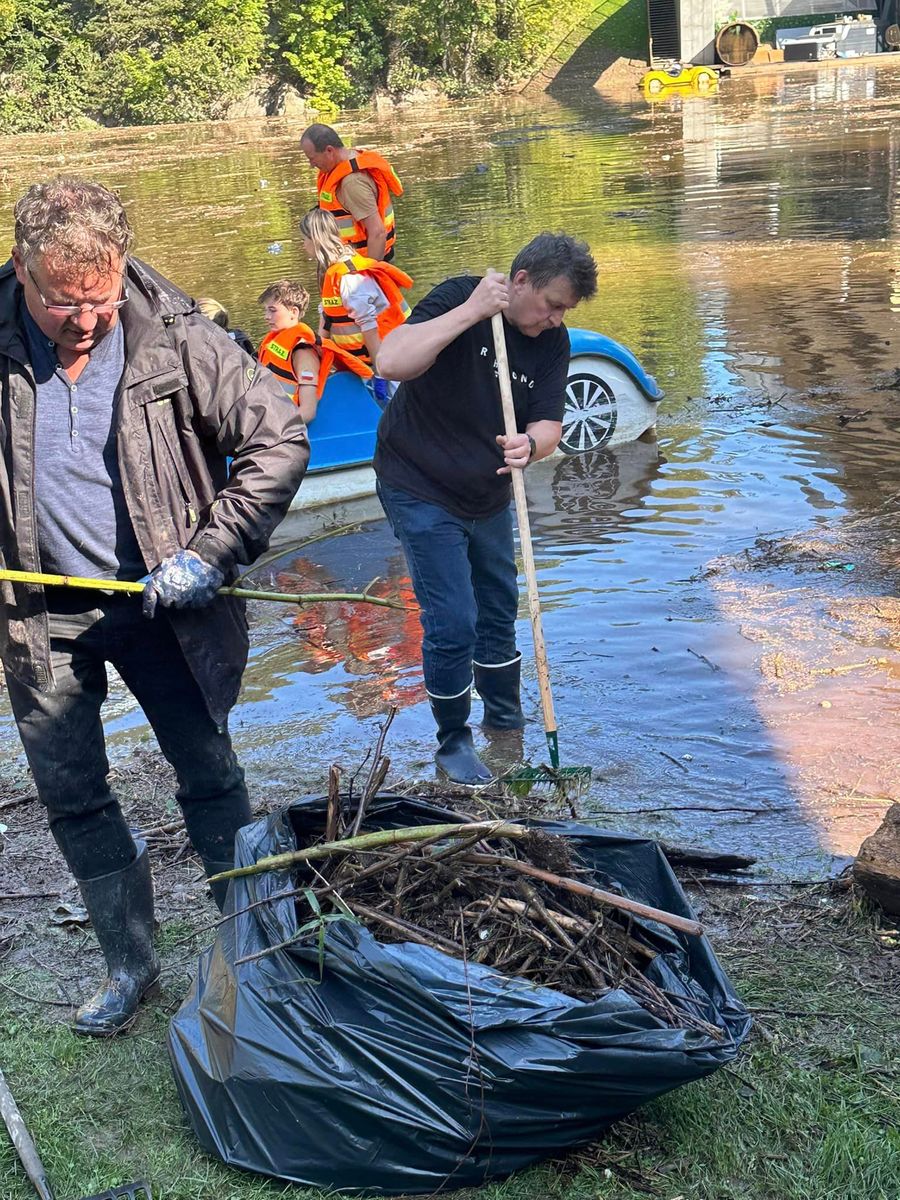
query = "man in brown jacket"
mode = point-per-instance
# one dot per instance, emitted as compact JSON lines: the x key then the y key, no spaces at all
{"x":119,"y":409}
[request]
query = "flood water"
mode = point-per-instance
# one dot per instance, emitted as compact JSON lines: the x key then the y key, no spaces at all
{"x":719,"y":605}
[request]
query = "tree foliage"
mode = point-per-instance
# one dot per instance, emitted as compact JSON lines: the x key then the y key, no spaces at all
{"x":66,"y":62}
{"x":332,"y":52}
{"x":175,"y":62}
{"x":46,"y":65}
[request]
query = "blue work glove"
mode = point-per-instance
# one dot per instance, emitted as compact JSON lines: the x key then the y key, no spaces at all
{"x":183,"y":580}
{"x":380,"y":391}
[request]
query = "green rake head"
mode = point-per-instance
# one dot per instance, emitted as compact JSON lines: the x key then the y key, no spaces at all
{"x":127,"y":1191}
{"x":566,"y":782}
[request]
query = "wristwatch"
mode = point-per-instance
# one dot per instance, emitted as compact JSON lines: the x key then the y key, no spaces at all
{"x":533,"y":445}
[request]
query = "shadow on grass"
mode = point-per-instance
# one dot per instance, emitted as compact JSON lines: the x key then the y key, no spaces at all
{"x":622,"y":34}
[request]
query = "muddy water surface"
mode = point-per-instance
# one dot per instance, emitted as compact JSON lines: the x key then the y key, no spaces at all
{"x":720,"y":605}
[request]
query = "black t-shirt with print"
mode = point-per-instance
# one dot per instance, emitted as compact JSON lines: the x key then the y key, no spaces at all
{"x":437,"y":437}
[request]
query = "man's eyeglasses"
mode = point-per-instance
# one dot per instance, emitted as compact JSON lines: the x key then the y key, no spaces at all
{"x":75,"y":310}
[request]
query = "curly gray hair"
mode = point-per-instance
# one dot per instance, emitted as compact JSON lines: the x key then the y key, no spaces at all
{"x":78,"y":224}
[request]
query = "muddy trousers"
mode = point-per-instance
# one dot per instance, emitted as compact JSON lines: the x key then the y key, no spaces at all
{"x":63,"y":735}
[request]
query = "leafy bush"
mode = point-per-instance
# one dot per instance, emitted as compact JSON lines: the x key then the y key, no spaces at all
{"x":333,"y":52}
{"x":149,"y":61}
{"x":180,"y":62}
{"x":47,"y":70}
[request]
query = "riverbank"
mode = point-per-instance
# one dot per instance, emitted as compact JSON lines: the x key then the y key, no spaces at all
{"x":809,"y":1112}
{"x":253,"y":58}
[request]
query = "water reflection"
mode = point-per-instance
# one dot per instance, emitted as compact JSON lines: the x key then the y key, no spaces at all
{"x":379,"y":649}
{"x":584,"y":499}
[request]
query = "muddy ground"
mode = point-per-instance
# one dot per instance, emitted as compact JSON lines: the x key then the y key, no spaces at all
{"x":45,"y":935}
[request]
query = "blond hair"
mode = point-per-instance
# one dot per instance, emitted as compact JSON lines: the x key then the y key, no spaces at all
{"x":216,"y":312}
{"x":288,"y":292}
{"x":80,"y":225}
{"x":322,"y":230}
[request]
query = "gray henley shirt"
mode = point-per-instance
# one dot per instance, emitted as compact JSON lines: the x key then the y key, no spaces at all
{"x":82,"y":517}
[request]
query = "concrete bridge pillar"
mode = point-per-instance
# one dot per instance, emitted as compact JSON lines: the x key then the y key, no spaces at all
{"x":697,"y":21}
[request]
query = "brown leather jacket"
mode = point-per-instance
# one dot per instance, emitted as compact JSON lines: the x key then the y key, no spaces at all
{"x":188,"y":399}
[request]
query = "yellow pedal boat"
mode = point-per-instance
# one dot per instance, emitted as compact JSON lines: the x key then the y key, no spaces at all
{"x":674,"y":75}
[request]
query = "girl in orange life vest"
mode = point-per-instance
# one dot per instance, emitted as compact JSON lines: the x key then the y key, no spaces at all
{"x":361,"y":298}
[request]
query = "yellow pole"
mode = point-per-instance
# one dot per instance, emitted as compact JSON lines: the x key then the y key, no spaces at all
{"x":124,"y":585}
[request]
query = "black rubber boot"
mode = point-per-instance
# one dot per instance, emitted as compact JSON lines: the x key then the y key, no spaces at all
{"x":456,"y":756}
{"x":219,"y":889}
{"x":121,"y":910}
{"x":498,"y":687}
{"x":212,"y":825}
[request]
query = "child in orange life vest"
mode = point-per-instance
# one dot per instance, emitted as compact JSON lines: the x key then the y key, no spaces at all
{"x":289,"y":348}
{"x":300,"y":358}
{"x":361,"y":298}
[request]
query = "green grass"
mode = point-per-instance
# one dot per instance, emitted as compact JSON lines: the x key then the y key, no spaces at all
{"x":810,"y":1112}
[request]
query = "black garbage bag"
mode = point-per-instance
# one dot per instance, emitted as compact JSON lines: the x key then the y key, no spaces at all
{"x":396,"y":1068}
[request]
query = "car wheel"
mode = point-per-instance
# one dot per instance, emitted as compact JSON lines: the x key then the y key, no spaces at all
{"x":704,"y":81}
{"x":591,"y":410}
{"x":654,"y":87}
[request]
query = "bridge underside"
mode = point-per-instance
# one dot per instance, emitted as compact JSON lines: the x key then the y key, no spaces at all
{"x":686,"y":29}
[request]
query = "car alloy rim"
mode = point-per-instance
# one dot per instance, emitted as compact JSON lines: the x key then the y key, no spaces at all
{"x":591,"y":413}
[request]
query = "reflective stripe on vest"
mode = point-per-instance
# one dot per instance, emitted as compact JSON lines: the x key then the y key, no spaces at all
{"x":386,"y":183}
{"x":276,"y":352}
{"x":340,"y":325}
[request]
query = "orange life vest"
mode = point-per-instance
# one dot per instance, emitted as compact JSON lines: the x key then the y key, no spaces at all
{"x":387,"y":184}
{"x":277,"y":349}
{"x":340,"y":325}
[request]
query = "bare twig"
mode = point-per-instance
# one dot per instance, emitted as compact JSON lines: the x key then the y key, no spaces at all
{"x":415,"y":933}
{"x":27,"y":895}
{"x":16,"y":801}
{"x":712,"y":666}
{"x":333,"y":812}
{"x":158,"y":830}
{"x":544,"y":913}
{"x":598,"y":895}
{"x":377,"y":773}
{"x":35,"y":999}
{"x":672,"y":759}
{"x":582,"y":941}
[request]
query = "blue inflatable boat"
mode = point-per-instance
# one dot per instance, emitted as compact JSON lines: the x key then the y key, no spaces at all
{"x":610,"y":398}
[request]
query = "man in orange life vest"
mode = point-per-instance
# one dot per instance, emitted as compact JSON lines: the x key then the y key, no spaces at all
{"x":356,"y":187}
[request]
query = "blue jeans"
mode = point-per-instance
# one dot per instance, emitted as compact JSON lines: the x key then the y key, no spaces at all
{"x":463,"y":571}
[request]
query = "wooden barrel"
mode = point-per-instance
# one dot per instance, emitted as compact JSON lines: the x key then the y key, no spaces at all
{"x":737,"y":43}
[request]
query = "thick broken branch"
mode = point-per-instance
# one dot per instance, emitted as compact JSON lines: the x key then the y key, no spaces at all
{"x":376,"y":841}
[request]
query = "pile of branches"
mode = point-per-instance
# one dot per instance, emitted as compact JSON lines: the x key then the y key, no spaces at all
{"x":500,"y":894}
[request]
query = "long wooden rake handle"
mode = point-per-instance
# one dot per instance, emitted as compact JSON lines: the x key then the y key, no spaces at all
{"x":21,"y":1139}
{"x":534,"y":599}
